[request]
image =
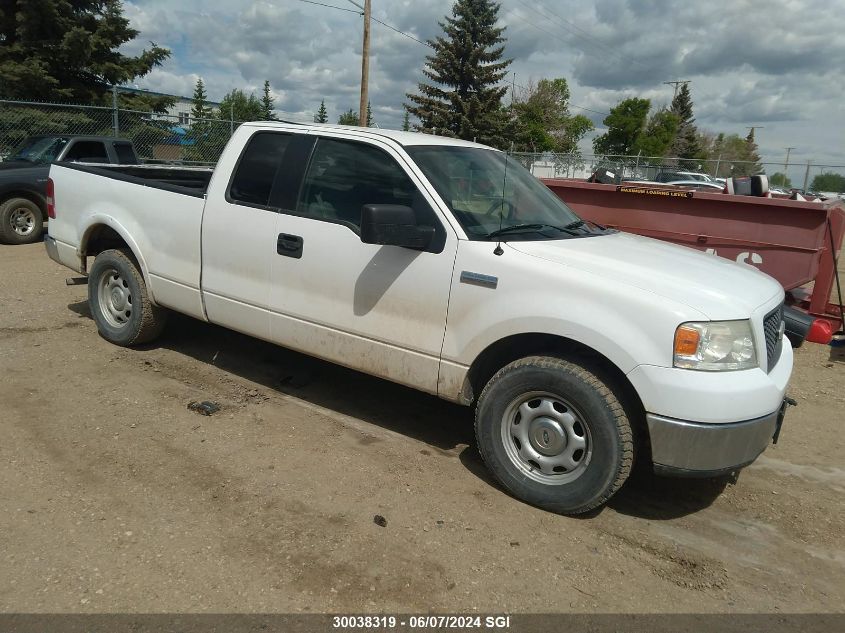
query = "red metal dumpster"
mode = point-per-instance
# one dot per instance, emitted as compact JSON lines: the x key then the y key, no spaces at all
{"x":793,"y":241}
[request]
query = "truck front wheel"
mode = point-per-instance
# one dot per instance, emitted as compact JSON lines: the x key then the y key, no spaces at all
{"x":554,"y":434}
{"x":21,"y":221}
{"x":118,"y":299}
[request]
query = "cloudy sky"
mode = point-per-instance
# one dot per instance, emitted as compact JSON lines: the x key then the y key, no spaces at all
{"x":776,"y":64}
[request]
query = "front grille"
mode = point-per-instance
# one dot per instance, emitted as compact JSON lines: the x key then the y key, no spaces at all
{"x":774,"y":342}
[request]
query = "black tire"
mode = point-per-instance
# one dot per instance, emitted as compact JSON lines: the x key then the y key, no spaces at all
{"x":21,"y":221}
{"x":583,"y":412}
{"x":117,"y":297}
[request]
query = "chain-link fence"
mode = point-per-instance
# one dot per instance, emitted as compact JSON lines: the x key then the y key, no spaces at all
{"x":805,"y":176}
{"x":157,"y":137}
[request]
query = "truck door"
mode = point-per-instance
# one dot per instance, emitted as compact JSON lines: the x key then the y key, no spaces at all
{"x":239,"y":237}
{"x":380,"y":309}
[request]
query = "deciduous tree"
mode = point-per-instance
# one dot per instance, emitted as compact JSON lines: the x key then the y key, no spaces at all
{"x":543,"y":121}
{"x":350,"y":117}
{"x":238,"y":106}
{"x":625,"y":124}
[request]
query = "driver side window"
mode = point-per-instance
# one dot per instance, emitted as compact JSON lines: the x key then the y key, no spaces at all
{"x":344,"y":176}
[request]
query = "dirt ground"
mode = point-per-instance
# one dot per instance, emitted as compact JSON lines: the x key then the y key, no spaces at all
{"x":116,"y":498}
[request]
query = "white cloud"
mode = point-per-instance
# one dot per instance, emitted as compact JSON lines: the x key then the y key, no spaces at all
{"x":750,"y":62}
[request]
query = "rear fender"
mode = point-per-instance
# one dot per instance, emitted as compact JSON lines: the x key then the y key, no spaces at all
{"x":101,"y":219}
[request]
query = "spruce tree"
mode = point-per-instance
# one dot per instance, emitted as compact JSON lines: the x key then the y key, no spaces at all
{"x":267,"y":104}
{"x":406,"y":123}
{"x":686,"y":143}
{"x":53,"y":50}
{"x":464,"y":99}
{"x":200,"y":109}
{"x":369,"y":115}
{"x":752,"y":156}
{"x":322,"y":115}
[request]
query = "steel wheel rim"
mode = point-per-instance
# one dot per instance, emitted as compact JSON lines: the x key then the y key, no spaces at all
{"x":114,"y":298}
{"x":23,"y":221}
{"x":546,"y":438}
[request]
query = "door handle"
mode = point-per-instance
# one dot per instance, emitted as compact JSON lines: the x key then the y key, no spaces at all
{"x":289,"y":245}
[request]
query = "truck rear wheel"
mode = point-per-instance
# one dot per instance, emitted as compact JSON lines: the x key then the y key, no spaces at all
{"x":21,"y":221}
{"x":117,"y":297}
{"x":554,"y":434}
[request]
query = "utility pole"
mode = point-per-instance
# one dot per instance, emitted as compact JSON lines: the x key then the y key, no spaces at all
{"x":676,"y":84}
{"x":755,"y":127}
{"x":365,"y":68}
{"x":786,"y":164}
{"x":513,"y":86}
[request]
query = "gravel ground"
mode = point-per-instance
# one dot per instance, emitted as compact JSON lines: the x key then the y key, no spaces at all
{"x":116,"y":497}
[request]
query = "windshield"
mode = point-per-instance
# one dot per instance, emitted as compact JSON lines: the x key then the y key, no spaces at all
{"x":470,"y":180}
{"x":39,"y":149}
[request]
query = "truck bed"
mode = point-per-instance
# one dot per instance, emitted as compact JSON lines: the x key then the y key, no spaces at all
{"x":191,"y":181}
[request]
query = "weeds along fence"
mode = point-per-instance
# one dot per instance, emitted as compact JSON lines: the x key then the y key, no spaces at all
{"x":157,"y":137}
{"x":551,"y":165}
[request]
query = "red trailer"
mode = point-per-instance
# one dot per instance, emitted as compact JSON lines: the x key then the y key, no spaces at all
{"x":795,"y":242}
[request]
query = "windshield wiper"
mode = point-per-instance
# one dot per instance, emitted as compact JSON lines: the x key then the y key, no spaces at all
{"x":519,"y":228}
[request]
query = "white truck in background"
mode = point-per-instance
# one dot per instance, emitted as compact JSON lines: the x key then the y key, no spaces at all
{"x":442,"y":265}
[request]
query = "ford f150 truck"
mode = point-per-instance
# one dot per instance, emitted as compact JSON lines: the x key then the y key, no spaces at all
{"x":442,"y":265}
{"x":23,"y":178}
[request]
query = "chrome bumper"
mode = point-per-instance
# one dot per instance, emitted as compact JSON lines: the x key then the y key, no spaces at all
{"x":693,"y":449}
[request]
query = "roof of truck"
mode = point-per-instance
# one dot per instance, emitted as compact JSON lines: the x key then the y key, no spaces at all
{"x":403,"y":138}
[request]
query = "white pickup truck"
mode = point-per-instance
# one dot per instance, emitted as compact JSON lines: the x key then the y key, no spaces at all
{"x":441,"y":265}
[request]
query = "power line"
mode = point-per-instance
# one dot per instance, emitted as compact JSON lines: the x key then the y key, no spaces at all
{"x":426,"y":44}
{"x":390,"y":26}
{"x":331,"y":6}
{"x":408,"y":35}
{"x":589,"y":39}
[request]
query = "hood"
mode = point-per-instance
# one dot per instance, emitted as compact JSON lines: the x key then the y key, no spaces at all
{"x":716,"y":287}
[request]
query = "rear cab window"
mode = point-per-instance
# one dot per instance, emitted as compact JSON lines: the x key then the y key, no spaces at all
{"x":87,"y":152}
{"x":257,"y":168}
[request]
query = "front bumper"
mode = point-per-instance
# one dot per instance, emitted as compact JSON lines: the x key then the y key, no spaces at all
{"x":694,"y":449}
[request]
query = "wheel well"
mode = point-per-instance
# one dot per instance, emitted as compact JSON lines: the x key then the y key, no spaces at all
{"x":101,"y":238}
{"x":512,"y":348}
{"x":28,"y":195}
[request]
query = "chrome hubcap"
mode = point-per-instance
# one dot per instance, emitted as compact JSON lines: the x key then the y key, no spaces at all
{"x":546,"y":438}
{"x":115,"y":299}
{"x":23,"y":221}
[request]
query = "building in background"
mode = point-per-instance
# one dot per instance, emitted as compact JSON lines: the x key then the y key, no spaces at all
{"x":180,"y":111}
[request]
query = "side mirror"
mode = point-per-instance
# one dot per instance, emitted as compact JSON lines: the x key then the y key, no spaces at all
{"x":393,"y":225}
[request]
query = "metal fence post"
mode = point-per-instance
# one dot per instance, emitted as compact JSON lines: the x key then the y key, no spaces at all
{"x":115,"y":116}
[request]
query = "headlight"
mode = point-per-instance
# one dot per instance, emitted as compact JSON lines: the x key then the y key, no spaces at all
{"x":715,"y":346}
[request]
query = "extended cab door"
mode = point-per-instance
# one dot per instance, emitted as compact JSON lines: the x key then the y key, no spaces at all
{"x":379,"y":309}
{"x":239,"y":235}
